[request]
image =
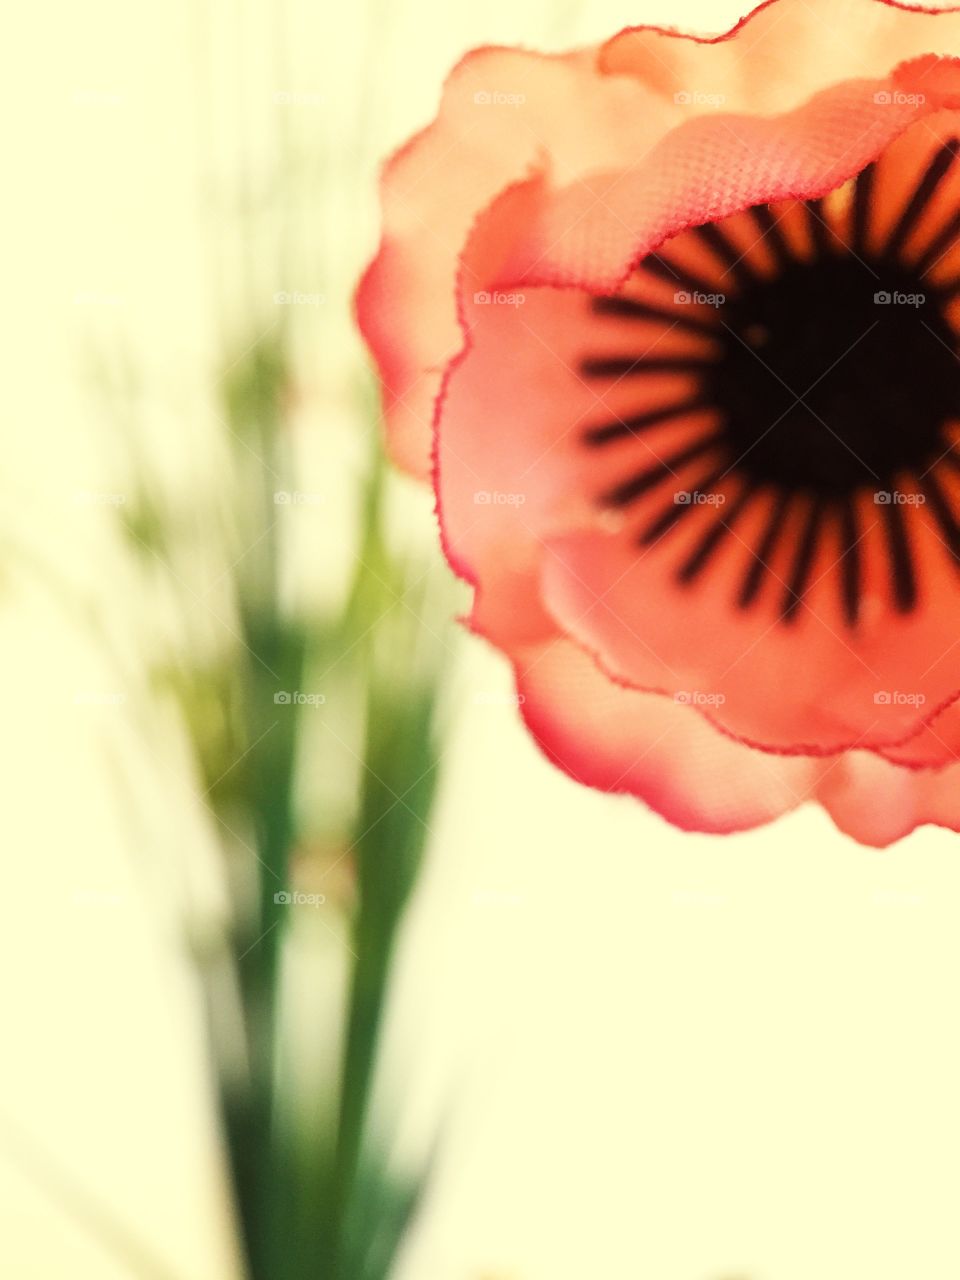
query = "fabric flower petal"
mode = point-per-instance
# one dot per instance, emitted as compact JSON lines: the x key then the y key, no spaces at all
{"x":653,"y":747}
{"x":505,"y":114}
{"x":661,"y":751}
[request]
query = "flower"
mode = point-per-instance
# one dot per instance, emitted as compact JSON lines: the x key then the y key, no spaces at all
{"x":671,"y":324}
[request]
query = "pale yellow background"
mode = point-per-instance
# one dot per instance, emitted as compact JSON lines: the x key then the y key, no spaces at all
{"x":655,"y":1055}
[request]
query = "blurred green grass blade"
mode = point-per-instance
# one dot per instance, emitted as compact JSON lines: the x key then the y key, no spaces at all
{"x":384,"y":1207}
{"x":399,"y":784}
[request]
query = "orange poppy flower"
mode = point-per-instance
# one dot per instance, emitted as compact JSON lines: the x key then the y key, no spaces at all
{"x":672,"y":326}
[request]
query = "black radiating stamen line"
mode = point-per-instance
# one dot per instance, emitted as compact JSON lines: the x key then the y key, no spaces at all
{"x":733,"y":259}
{"x":947,"y":288}
{"x":625,"y":428}
{"x":634,"y":309}
{"x":772,"y":233}
{"x":683,"y":279}
{"x":938,"y":246}
{"x":638,"y":366}
{"x":901,"y":558}
{"x":803,"y":560}
{"x":670,"y":515}
{"x":850,"y":568}
{"x":943,"y":513}
{"x":860,"y":207}
{"x":642,"y":481}
{"x":762,"y":556}
{"x":714,"y":536}
{"x":922,"y":195}
{"x":819,"y":231}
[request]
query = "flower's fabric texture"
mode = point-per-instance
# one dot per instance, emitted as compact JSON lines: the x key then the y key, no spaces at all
{"x":672,"y":324}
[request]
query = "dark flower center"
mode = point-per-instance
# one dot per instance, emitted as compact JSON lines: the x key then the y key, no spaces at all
{"x":837,"y":375}
{"x":833,"y":383}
